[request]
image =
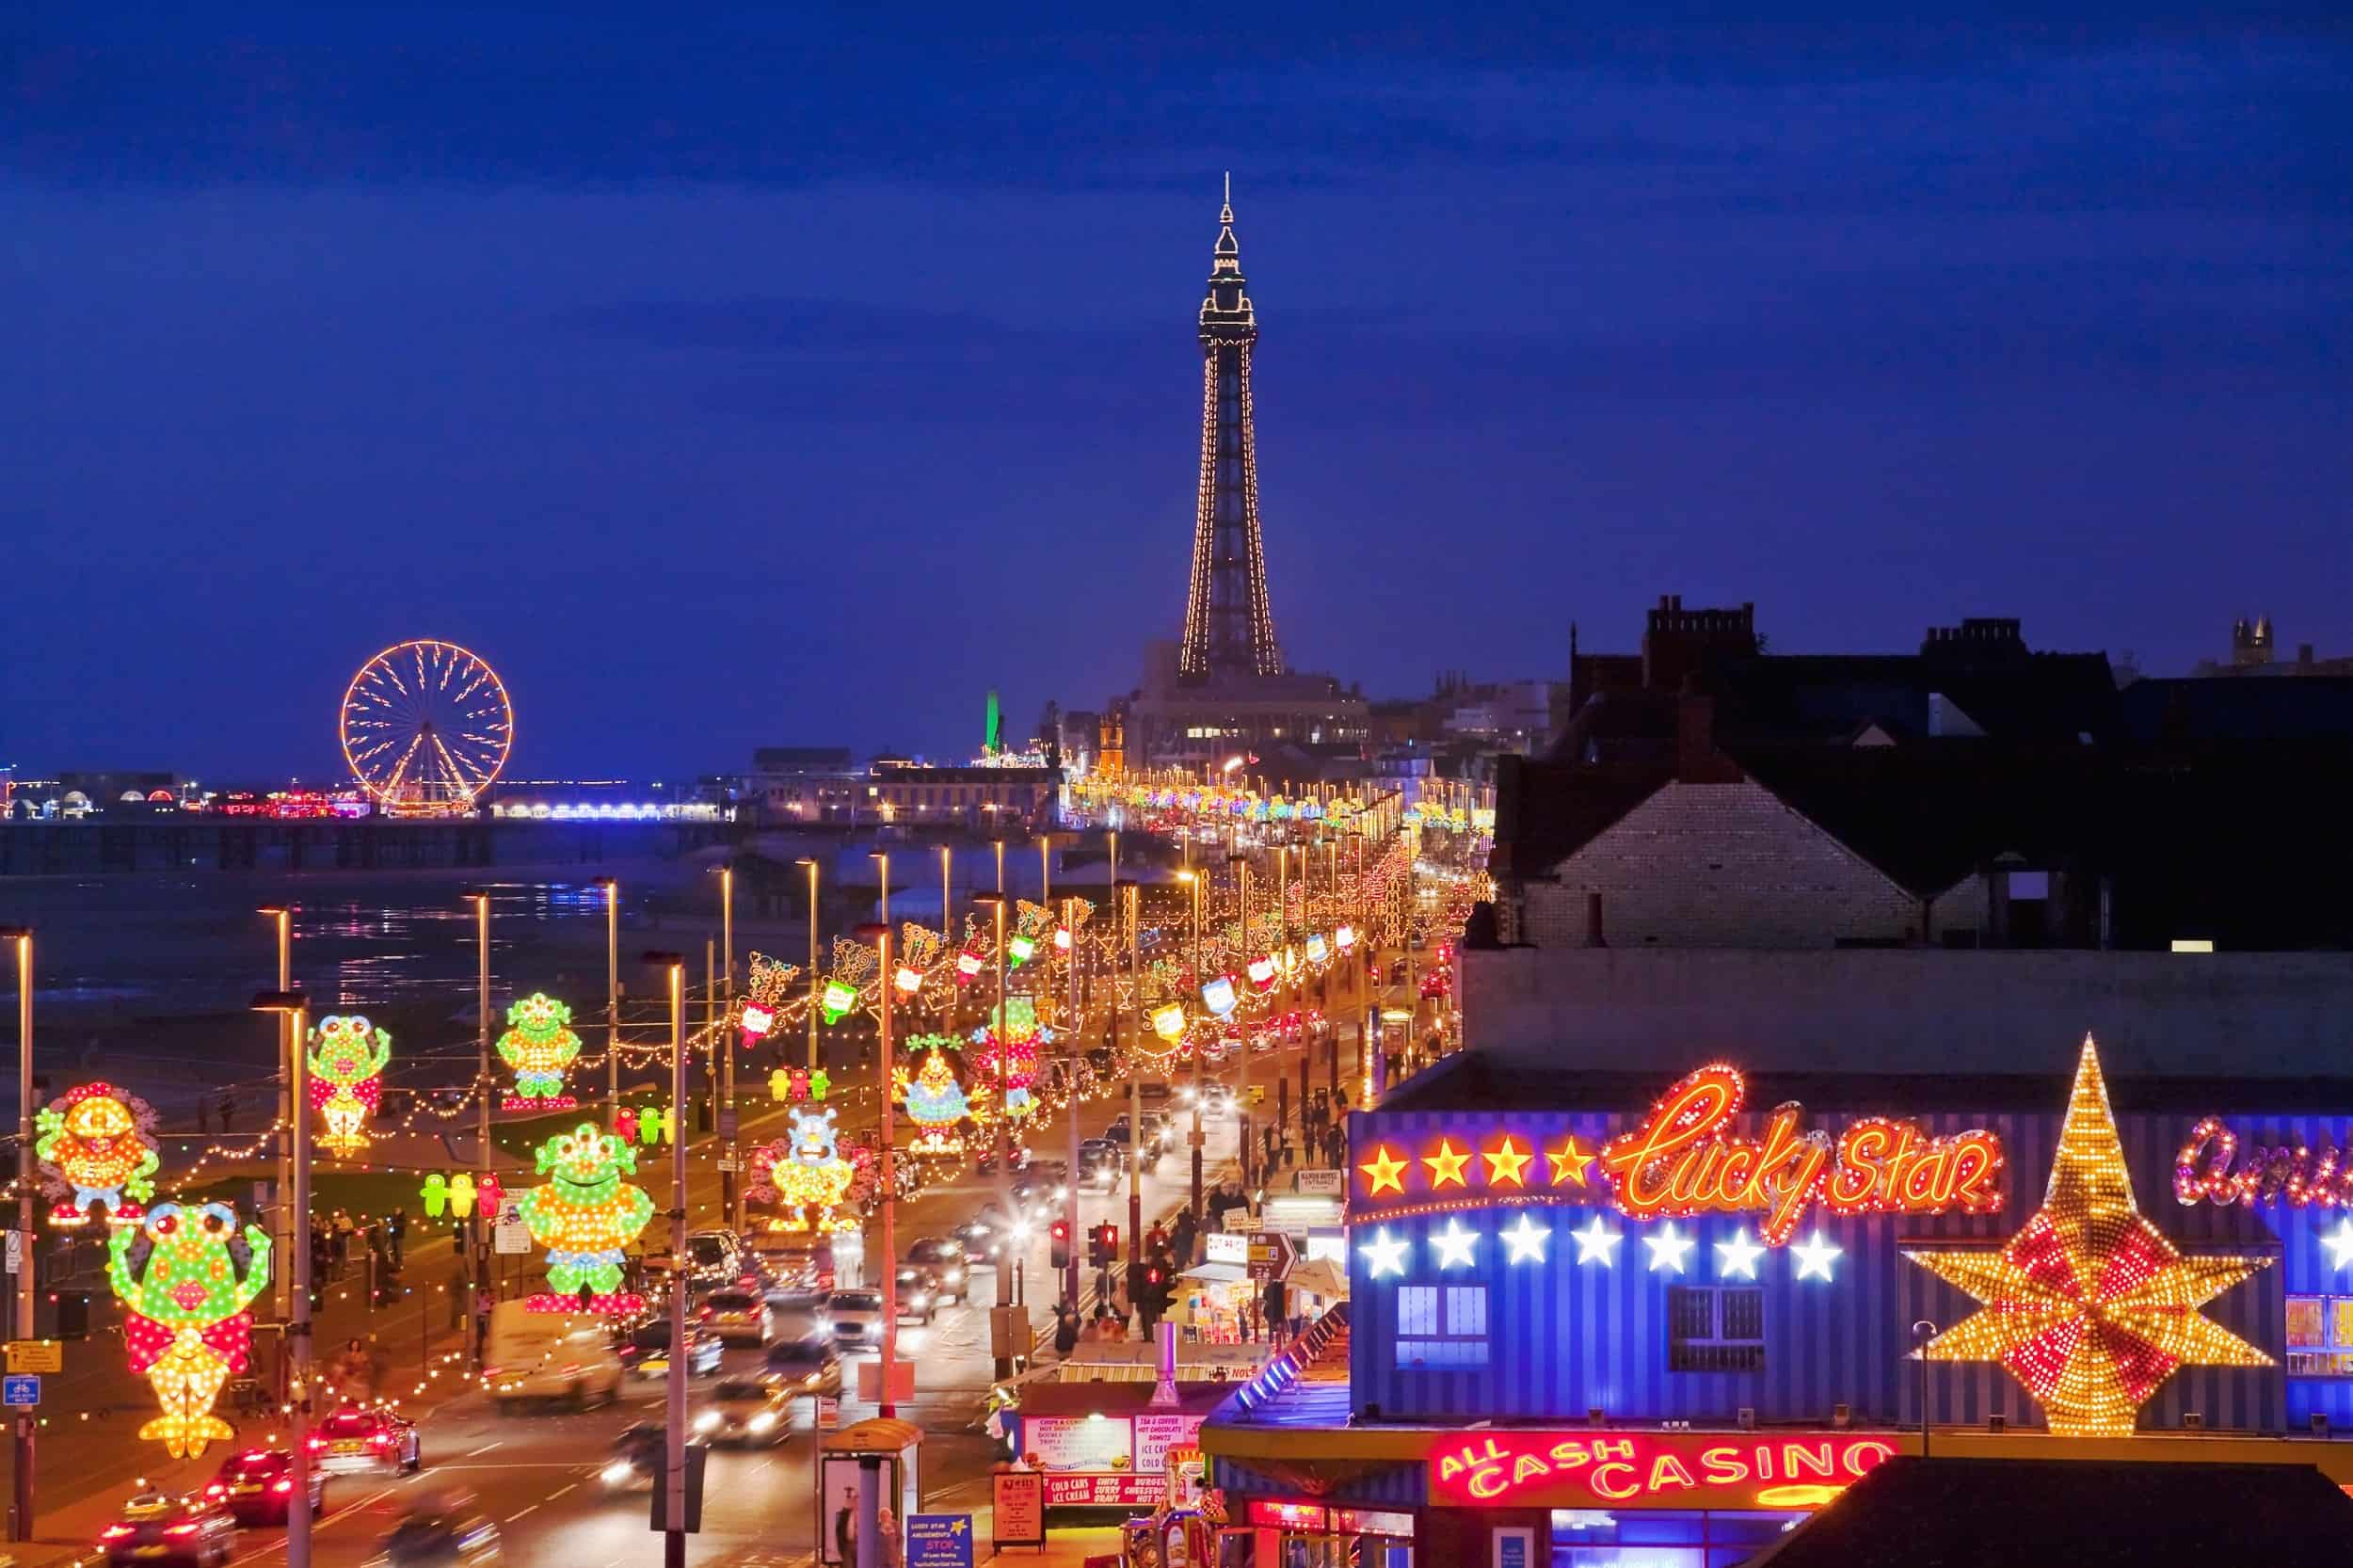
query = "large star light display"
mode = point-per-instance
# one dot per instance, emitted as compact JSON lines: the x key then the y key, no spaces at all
{"x":2089,"y":1305}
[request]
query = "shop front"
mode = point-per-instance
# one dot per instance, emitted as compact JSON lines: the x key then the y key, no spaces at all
{"x":1603,"y":1320}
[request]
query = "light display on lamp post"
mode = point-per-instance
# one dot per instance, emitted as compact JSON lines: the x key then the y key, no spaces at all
{"x":346,"y":1059}
{"x":540,"y":1046}
{"x":184,"y":1277}
{"x":585,"y":1215}
{"x":97,"y":1145}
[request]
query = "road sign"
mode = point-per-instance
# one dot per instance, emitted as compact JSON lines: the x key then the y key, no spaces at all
{"x":829,"y":1412}
{"x":36,"y":1355}
{"x":1270,"y":1255}
{"x":20,"y":1393}
{"x":870,"y":1381}
{"x":940,"y":1541}
{"x":727,"y":1162}
{"x":16,"y":1251}
{"x":510,"y":1235}
{"x":729,"y":1121}
{"x":1008,"y":1331}
{"x":1323,"y":1184}
{"x":1017,"y":1508}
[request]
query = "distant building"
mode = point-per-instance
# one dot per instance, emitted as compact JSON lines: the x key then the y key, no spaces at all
{"x":2252,"y":646}
{"x":1012,"y":800}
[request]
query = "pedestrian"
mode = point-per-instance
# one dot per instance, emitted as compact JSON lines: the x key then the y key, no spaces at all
{"x":1093,"y":1333}
{"x":396,"y":1233}
{"x":1266,"y":1142}
{"x":1288,"y":1158}
{"x":893,"y":1554}
{"x":845,"y":1527}
{"x":228,"y":1113}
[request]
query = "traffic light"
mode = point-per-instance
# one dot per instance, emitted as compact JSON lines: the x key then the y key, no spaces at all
{"x":1103,"y":1245}
{"x":1062,"y":1244}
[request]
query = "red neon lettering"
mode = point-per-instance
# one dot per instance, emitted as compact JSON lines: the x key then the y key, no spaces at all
{"x":1724,"y":1466}
{"x":1488,"y":1481}
{"x":1606,"y":1481}
{"x":1666,"y":1470}
{"x":1798,"y":1457}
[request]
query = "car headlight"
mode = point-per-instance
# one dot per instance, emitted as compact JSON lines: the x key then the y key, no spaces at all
{"x":764,"y":1421}
{"x":955,"y":1274}
{"x":707,"y":1421}
{"x":617,"y":1472}
{"x":823,"y":1320}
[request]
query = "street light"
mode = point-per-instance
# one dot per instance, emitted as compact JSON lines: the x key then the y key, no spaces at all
{"x":1199,"y":979}
{"x":291,"y":1007}
{"x":887,"y":1406}
{"x":995,"y":904}
{"x":1241,"y":1092}
{"x":22,"y":1520}
{"x":282,"y":916}
{"x":723,"y":1043}
{"x":674,"y":1446}
{"x":1125,"y":892}
{"x":611,"y":997}
{"x":810,"y":865}
{"x":481,"y":1223}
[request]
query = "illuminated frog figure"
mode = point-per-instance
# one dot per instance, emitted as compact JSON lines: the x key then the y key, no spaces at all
{"x":97,"y":1141}
{"x":585,"y":1214}
{"x":184,"y":1279}
{"x":348,"y":1057}
{"x":539,"y":1045}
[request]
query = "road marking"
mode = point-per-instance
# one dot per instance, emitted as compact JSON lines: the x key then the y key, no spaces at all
{"x":560,"y":1491}
{"x":512,"y":1518}
{"x":484,"y":1448}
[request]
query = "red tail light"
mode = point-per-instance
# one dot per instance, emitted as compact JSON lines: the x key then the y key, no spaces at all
{"x":381,"y":1439}
{"x":114,"y":1532}
{"x":180,"y":1530}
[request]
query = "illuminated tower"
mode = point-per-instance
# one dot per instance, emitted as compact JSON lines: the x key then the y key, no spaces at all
{"x":1229,"y":632}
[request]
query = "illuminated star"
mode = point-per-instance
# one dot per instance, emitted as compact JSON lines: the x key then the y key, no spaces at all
{"x":1597,"y":1243}
{"x":1814,"y":1255}
{"x":1446,"y":1165}
{"x":1524,"y":1241}
{"x":1737,"y":1258}
{"x":1505,"y":1163}
{"x":2339,"y":1245}
{"x":1384,"y":1171}
{"x":1384,"y":1254}
{"x":2089,"y":1306}
{"x":1454,"y":1244}
{"x":1569,"y":1162}
{"x":1668,"y":1249}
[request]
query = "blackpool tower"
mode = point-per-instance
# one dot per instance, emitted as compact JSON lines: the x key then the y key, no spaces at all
{"x":1229,"y":630}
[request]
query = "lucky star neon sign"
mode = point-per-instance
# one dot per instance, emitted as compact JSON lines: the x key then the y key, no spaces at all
{"x":1668,"y":1249}
{"x":1569,"y":1162}
{"x":1505,"y":1163}
{"x":1597,"y":1242}
{"x":1454,"y":1245}
{"x":1524,"y":1241}
{"x":1737,"y":1258}
{"x":1384,"y":1254}
{"x":2089,"y":1305}
{"x":1446,"y":1164}
{"x":1384,"y":1171}
{"x":1814,"y":1255}
{"x":2339,"y":1244}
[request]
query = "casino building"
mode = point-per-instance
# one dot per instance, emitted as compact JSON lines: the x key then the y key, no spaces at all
{"x":1611,"y":1318}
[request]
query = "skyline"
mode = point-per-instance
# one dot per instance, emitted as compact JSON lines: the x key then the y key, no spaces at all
{"x":356,"y":328}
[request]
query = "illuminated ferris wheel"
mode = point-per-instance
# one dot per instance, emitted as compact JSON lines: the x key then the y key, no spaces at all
{"x":426,"y":727}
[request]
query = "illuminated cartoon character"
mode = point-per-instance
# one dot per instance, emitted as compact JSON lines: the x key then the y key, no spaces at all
{"x":97,"y":1145}
{"x":656,"y":1124}
{"x":347,"y":1056}
{"x":184,"y":1279}
{"x":804,"y":1174}
{"x":462,"y":1194}
{"x":585,"y":1214}
{"x":539,"y":1045}
{"x":936,"y":1104}
{"x":436,"y":1195}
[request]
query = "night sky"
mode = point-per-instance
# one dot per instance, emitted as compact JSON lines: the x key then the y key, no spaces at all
{"x":793,"y":381}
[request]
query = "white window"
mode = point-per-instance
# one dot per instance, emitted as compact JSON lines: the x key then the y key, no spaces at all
{"x":1441,"y":1326}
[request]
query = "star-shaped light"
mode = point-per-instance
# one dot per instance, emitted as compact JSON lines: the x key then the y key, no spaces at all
{"x":1384,"y":1254}
{"x":1597,"y":1242}
{"x":2339,"y":1244}
{"x":1446,"y":1164}
{"x":1669,"y":1248}
{"x":1737,"y":1258}
{"x":1505,"y":1163}
{"x":1569,"y":1162}
{"x":1524,"y":1241}
{"x":2089,"y":1306}
{"x":1383,"y":1172}
{"x":1814,"y":1255}
{"x":1453,"y":1245}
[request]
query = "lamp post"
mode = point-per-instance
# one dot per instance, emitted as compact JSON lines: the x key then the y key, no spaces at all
{"x":946,"y":864}
{"x":887,"y":1406}
{"x":1922,"y":1331}
{"x":282,"y":1229}
{"x":1241,"y":1090}
{"x":291,"y":1005}
{"x":722,"y":1044}
{"x":1135,"y":1098}
{"x":810,"y":865}
{"x":1071,"y":1109}
{"x":21,"y":1518}
{"x":482,"y":1221}
{"x":612,"y":998}
{"x":1200,"y":979}
{"x":674,"y":1424}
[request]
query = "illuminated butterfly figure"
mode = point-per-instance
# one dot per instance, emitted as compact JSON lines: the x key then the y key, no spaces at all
{"x":348,"y":1057}
{"x":97,"y":1145}
{"x":185,"y":1279}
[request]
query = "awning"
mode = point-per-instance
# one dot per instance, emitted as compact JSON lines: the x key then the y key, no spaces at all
{"x":1218,"y":1273}
{"x":1317,"y":1277}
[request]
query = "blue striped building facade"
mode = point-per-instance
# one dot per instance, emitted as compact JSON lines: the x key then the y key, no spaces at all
{"x":1564,"y":1338}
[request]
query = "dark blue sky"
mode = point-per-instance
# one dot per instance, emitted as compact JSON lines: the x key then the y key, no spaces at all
{"x":795,"y":380}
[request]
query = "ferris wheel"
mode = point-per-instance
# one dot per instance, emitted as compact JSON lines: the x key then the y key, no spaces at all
{"x":426,"y":727}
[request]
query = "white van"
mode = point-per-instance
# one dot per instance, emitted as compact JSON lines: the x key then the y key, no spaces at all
{"x":548,"y":1355}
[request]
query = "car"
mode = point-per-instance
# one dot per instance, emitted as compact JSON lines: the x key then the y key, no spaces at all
{"x":636,"y":1457}
{"x":534,"y":1358}
{"x":919,"y":1291}
{"x":1043,"y":1183}
{"x":1102,"y":1163}
{"x":715,"y":1258}
{"x":257,"y":1486}
{"x":981,"y":1238}
{"x":442,"y":1529}
{"x":645,"y":1349}
{"x":737,"y":1316}
{"x":854,"y":1317}
{"x":161,"y":1527}
{"x":745,"y":1410}
{"x":945,"y":1256}
{"x":358,"y":1439}
{"x":1437,"y":984}
{"x":810,"y":1366}
{"x":1153,"y":1089}
{"x":986,"y":1164}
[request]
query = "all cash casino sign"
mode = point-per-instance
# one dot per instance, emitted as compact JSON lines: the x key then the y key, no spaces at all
{"x":1711,"y":1470}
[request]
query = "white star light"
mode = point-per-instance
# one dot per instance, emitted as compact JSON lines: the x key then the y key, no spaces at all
{"x":1737,"y":1258}
{"x":1669,"y":1248}
{"x":1524,"y":1241}
{"x":2339,"y":1245}
{"x":1815,"y":1256}
{"x":1385,"y":1252}
{"x":1454,"y":1245}
{"x":1596,"y":1244}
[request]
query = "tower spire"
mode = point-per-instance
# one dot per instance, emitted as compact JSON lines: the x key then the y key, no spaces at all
{"x":1230,"y":630}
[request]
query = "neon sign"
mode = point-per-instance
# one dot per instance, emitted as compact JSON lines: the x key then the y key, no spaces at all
{"x":1686,"y":1159}
{"x":2297,"y":1176}
{"x":1721,"y":1470}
